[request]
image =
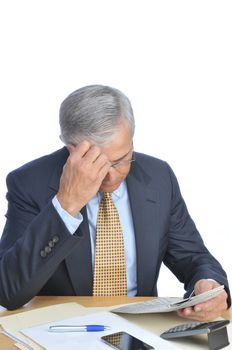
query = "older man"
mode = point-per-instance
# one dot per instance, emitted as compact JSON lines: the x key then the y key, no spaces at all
{"x":61,"y":239}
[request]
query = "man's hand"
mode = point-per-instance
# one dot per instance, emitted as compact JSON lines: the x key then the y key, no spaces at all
{"x":83,"y":173}
{"x":208,"y":310}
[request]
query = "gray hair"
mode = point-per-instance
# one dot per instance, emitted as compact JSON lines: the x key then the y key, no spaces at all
{"x":93,"y":113}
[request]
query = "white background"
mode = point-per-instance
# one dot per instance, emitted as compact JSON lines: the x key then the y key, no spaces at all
{"x":172,"y":59}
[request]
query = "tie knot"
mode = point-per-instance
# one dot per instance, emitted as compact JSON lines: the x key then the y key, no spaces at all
{"x":107,"y":196}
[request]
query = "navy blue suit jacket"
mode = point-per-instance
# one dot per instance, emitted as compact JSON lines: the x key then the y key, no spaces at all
{"x":38,"y":256}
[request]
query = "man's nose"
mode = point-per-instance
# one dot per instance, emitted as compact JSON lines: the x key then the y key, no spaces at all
{"x":110,"y":174}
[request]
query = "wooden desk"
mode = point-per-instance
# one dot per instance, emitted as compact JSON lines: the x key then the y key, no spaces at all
{"x":167,"y":320}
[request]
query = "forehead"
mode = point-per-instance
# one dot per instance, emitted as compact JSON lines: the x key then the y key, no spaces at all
{"x":121,"y":142}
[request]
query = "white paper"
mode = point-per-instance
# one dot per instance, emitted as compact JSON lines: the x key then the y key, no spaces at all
{"x":91,"y":340}
{"x":167,"y":304}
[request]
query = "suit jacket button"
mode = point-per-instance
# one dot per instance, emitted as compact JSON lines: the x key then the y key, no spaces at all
{"x":55,"y":239}
{"x":43,"y":254}
{"x":51,"y":244}
{"x":47,"y":249}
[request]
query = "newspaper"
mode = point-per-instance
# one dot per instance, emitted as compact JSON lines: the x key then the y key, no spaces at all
{"x":167,"y":304}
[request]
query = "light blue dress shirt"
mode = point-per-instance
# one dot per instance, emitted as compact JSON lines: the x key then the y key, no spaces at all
{"x":121,"y":200}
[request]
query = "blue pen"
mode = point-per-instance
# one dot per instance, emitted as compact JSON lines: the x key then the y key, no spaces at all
{"x":73,"y":328}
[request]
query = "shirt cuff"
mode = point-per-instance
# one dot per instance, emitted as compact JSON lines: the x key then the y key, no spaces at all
{"x":71,"y":222}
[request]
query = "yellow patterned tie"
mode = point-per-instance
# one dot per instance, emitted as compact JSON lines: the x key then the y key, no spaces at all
{"x":109,"y":263}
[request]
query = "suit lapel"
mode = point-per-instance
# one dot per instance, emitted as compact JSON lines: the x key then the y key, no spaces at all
{"x":78,"y":262}
{"x":144,"y":207}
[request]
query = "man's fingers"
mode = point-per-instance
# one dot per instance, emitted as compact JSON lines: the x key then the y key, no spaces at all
{"x":101,"y":161}
{"x":104,"y":170}
{"x":80,"y":150}
{"x":191,"y":314}
{"x":184,"y":312}
{"x":204,"y":285}
{"x":208,"y":310}
{"x":92,"y":155}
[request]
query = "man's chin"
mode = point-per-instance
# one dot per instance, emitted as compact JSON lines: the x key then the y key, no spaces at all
{"x":108,"y":188}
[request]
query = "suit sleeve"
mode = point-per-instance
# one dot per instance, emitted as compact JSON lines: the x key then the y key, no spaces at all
{"x":34,"y":242}
{"x":187,"y":257}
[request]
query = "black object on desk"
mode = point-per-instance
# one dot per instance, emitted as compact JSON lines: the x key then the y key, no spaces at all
{"x":216,"y":331}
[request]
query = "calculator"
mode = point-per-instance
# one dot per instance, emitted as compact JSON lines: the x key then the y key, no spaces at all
{"x":187,"y":329}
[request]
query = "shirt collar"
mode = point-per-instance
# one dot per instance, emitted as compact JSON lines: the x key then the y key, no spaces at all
{"x":116,"y":195}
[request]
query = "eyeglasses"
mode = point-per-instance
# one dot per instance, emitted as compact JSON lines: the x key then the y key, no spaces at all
{"x":123,"y":162}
